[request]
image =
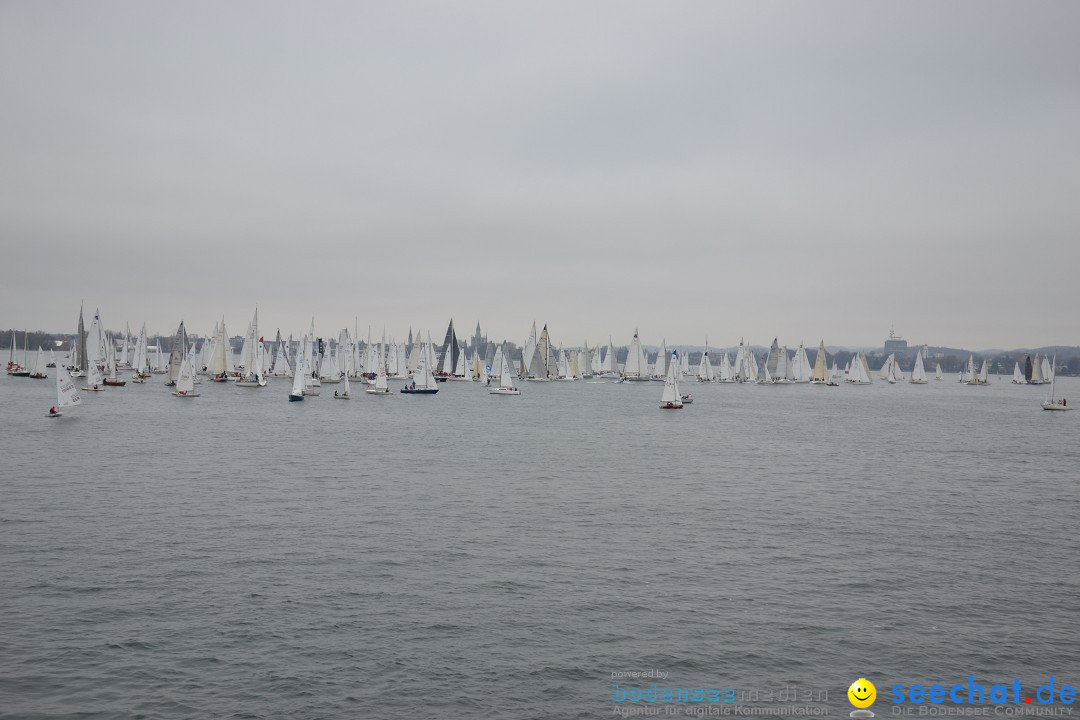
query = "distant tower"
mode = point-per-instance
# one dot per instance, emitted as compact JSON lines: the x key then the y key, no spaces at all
{"x":895,"y":343}
{"x":410,"y":338}
{"x":478,"y":338}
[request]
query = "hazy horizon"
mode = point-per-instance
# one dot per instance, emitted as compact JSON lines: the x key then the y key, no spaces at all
{"x":730,"y":170}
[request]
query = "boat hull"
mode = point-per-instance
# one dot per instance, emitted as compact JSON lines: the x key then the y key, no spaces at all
{"x":672,"y":406}
{"x":419,"y":391}
{"x":295,"y":398}
{"x":373,"y":391}
{"x":116,"y":383}
{"x":1055,"y":406}
{"x":504,"y":391}
{"x":185,"y":395}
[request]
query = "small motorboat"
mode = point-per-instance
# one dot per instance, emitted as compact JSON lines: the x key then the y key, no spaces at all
{"x":687,"y":399}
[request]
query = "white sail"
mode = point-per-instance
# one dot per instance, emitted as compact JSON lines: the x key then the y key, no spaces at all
{"x":94,"y":378}
{"x":585,"y":361}
{"x":611,"y":362}
{"x":177,"y":354}
{"x":66,"y":393}
{"x":1036,"y":371}
{"x":424,"y":379}
{"x":506,"y":374}
{"x":185,"y":380}
{"x":801,"y":371}
{"x":918,"y":373}
{"x":95,"y":342}
{"x":380,"y":379}
{"x":300,"y":374}
{"x":1018,"y":375}
{"x":726,"y":374}
{"x":859,"y":373}
{"x":39,"y":365}
{"x":460,"y":369}
{"x":821,"y":366}
{"x":1048,"y":369}
{"x":564,"y":366}
{"x":660,"y":365}
{"x":671,"y":395}
{"x":219,"y":363}
{"x":528,"y":352}
{"x":778,"y":366}
{"x":705,"y":368}
{"x":124,"y":362}
{"x":937,"y":373}
{"x":984,"y":372}
{"x":636,"y":366}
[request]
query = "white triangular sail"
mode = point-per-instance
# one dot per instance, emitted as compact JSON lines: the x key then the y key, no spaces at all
{"x":821,"y":366}
{"x":800,"y":367}
{"x":918,"y":373}
{"x":300,"y":373}
{"x":671,"y":384}
{"x":185,"y":380}
{"x":859,"y":373}
{"x":66,"y":393}
{"x":506,"y":374}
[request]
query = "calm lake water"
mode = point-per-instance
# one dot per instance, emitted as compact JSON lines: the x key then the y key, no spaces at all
{"x":468,"y":555}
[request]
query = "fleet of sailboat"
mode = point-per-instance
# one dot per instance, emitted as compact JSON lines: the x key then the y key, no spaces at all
{"x":98,"y":356}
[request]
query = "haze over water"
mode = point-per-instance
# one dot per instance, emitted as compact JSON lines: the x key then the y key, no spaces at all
{"x":466,"y":555}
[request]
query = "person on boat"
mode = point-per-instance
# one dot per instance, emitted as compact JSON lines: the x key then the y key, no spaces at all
{"x":335,"y":393}
{"x":52,"y":410}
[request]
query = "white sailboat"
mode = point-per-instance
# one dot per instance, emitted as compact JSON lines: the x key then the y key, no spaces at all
{"x":610,"y":367}
{"x":39,"y":372}
{"x":423,"y":382}
{"x":671,"y":399}
{"x":937,"y":373}
{"x":1051,"y":402}
{"x":800,"y":366}
{"x":251,"y":360}
{"x":659,"y":371}
{"x":94,"y":381}
{"x":859,"y":373}
{"x":344,"y":392}
{"x":705,"y":368}
{"x":636,"y":367}
{"x":185,"y":380}
{"x":66,"y":394}
{"x":178,"y":353}
{"x":380,"y":387}
{"x":506,"y":380}
{"x":300,"y":376}
{"x":1018,"y":375}
{"x":918,"y":374}
{"x":1037,"y":377}
{"x":820,"y":374}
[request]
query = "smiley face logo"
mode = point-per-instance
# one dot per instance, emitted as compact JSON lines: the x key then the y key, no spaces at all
{"x":862,"y":693}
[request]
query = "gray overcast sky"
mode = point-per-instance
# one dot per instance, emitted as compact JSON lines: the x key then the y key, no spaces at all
{"x":751,"y":169}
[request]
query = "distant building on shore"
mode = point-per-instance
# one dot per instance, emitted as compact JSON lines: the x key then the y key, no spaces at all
{"x":895,"y":343}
